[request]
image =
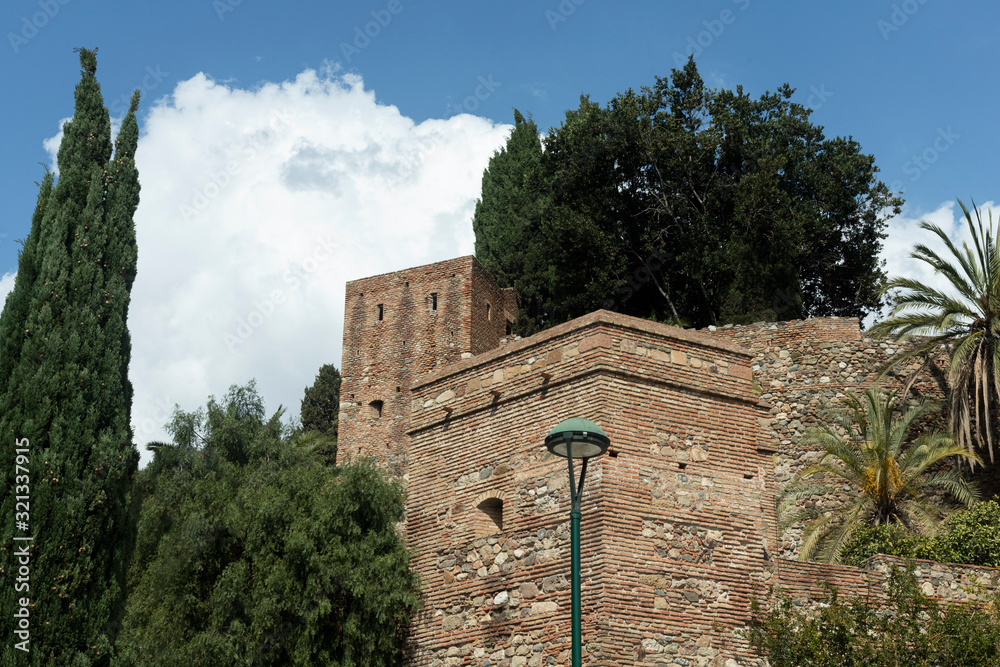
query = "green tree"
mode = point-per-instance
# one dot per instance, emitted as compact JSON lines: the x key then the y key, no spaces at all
{"x":321,"y":403}
{"x":253,"y":551}
{"x":891,"y":480}
{"x":686,"y":204}
{"x":320,"y":412}
{"x":965,"y":319}
{"x":64,"y":388}
{"x":506,"y":217}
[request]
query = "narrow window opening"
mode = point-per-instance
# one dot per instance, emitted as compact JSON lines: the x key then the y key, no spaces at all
{"x":397,"y":388}
{"x":748,"y":475}
{"x":682,"y":466}
{"x":434,"y":301}
{"x":613,"y":453}
{"x":510,"y":328}
{"x":493,"y":509}
{"x":376,"y":407}
{"x":381,"y":311}
{"x":406,"y":284}
{"x":489,"y":316}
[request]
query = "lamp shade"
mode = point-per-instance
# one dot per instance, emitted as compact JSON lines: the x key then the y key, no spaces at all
{"x":587,"y":438}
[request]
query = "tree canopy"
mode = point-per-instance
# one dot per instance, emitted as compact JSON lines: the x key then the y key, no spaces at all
{"x":253,"y":551}
{"x":684,"y":204}
{"x":65,"y":396}
{"x":321,"y":402}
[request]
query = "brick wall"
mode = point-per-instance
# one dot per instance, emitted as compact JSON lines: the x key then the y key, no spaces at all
{"x":399,"y":326}
{"x":677,"y":519}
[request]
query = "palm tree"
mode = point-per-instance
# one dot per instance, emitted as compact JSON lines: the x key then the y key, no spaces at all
{"x":891,"y":482}
{"x":967,"y":323}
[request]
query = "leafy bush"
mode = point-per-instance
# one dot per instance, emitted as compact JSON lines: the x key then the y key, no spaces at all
{"x":253,"y":551}
{"x":904,"y":628}
{"x":892,"y":540}
{"x":970,"y":537}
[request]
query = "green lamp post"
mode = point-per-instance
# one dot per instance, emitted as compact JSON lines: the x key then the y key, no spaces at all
{"x":576,"y":438}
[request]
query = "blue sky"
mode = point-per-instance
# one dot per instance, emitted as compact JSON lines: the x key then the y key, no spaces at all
{"x":288,"y":147}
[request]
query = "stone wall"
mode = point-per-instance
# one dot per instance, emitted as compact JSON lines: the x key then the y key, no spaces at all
{"x":804,"y":368}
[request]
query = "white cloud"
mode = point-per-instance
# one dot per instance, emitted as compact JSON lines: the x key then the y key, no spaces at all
{"x":904,"y":233}
{"x":257,"y":206}
{"x":51,"y":146}
{"x":6,"y":285}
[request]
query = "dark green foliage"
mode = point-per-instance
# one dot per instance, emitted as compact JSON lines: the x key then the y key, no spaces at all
{"x":971,"y":537}
{"x":889,"y":539}
{"x":688,"y":205}
{"x":252,"y":551}
{"x":64,"y":356}
{"x":909,"y":630}
{"x":507,"y":217}
{"x":320,"y":413}
{"x":321,"y":403}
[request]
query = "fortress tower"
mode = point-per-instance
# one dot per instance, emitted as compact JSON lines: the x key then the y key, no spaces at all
{"x":398,"y":327}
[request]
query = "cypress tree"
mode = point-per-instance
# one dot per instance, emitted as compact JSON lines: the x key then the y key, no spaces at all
{"x":506,"y":220}
{"x":321,"y":403}
{"x":64,"y":387}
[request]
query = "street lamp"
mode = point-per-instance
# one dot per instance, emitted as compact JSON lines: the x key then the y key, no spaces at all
{"x":576,"y":438}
